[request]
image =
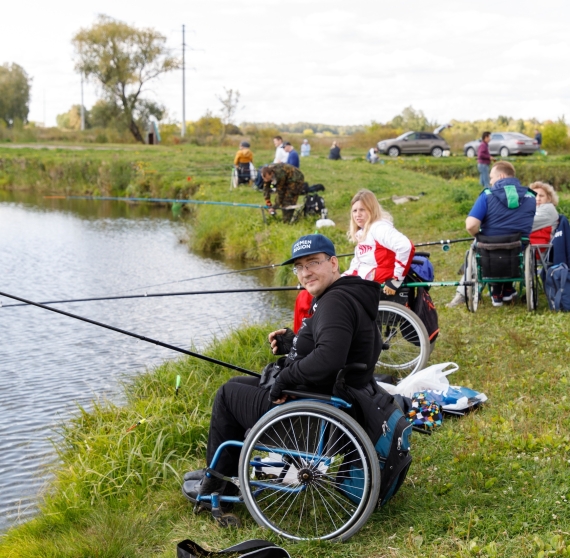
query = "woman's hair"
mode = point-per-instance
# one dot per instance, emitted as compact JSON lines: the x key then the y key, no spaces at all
{"x":369,"y":201}
{"x":547,"y":189}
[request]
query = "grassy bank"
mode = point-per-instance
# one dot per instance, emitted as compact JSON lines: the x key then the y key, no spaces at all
{"x":493,"y":483}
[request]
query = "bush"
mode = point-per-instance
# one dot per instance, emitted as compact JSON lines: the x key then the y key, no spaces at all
{"x":555,"y":136}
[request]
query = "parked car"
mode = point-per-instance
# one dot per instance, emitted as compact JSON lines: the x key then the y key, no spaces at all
{"x":504,"y":144}
{"x":414,"y":142}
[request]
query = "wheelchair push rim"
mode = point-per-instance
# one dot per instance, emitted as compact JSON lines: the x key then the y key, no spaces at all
{"x":308,"y":471}
{"x":406,"y":345}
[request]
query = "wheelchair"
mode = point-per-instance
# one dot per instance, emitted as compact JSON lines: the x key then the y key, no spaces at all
{"x":500,"y":259}
{"x":245,"y":173}
{"x":307,"y":471}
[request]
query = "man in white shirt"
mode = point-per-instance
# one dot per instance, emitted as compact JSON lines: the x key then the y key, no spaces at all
{"x":281,"y":155}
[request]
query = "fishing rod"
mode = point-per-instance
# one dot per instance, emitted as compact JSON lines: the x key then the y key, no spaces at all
{"x":445,"y":244}
{"x":154,"y":295}
{"x":166,"y":200}
{"x":135,"y":335}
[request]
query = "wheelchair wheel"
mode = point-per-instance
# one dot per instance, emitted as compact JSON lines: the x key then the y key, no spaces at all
{"x":472,"y":292}
{"x":530,"y":279}
{"x":234,"y":178}
{"x":307,"y":470}
{"x":406,"y":346}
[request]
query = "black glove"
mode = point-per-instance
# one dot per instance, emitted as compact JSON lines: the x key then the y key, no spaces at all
{"x":284,"y":342}
{"x":391,"y":286}
{"x":275,"y":391}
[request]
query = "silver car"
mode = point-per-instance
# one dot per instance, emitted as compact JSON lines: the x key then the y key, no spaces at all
{"x":414,"y":142}
{"x":504,"y":144}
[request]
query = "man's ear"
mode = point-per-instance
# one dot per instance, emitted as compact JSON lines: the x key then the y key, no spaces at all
{"x":335,"y":264}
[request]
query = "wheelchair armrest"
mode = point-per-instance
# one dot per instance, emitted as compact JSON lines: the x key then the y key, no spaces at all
{"x":306,"y":394}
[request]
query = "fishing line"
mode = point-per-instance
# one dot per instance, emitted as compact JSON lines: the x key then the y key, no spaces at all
{"x":154,"y":295}
{"x":135,"y":335}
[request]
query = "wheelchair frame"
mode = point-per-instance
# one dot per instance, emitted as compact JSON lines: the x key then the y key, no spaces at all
{"x":475,"y":282}
{"x":289,"y":470}
{"x":235,"y":177}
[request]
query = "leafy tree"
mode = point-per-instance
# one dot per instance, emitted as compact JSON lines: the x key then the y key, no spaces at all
{"x":208,"y":126}
{"x":555,"y":135}
{"x":411,"y":119}
{"x":71,"y":120}
{"x":230,"y":104}
{"x":15,"y":87}
{"x":122,"y":60}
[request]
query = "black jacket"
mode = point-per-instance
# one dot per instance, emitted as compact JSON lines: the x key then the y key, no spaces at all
{"x":341,"y":331}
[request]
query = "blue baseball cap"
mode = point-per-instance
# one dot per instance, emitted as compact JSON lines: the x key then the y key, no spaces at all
{"x":310,"y":244}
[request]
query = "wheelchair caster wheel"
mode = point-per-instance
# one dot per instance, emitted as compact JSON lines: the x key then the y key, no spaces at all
{"x":229,"y":520}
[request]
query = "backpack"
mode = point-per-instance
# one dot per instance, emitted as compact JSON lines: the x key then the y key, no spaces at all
{"x":387,"y":427}
{"x":422,"y":267}
{"x":423,"y":306}
{"x":314,"y":204}
{"x":558,"y":288}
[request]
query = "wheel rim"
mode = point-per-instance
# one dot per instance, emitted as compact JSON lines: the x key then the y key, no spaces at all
{"x":405,"y":341}
{"x":504,"y":152}
{"x":437,"y":152}
{"x":470,"y":152}
{"x":531,"y":286}
{"x":297,"y":480}
{"x":393,"y":152}
{"x":473,"y":293}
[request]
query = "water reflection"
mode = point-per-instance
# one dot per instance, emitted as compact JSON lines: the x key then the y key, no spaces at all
{"x":57,"y":248}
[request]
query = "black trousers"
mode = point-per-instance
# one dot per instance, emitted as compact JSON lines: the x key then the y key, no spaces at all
{"x":238,"y":405}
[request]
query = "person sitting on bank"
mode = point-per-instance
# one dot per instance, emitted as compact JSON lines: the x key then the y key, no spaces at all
{"x":372,"y":155}
{"x":243,"y":161}
{"x":546,"y":216}
{"x":292,"y":155}
{"x":341,"y":331}
{"x":334,"y":152}
{"x":507,"y":208}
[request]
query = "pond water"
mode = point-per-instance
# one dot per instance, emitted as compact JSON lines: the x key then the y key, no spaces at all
{"x":53,"y":249}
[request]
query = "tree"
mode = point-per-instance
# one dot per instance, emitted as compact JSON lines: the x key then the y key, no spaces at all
{"x":230,"y":105}
{"x":122,"y":59}
{"x":71,"y":120}
{"x":15,"y":87}
{"x":555,"y":135}
{"x":410,"y":119}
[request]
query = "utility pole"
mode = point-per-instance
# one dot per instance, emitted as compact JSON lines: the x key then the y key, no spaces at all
{"x":82,"y":107}
{"x":183,"y":131}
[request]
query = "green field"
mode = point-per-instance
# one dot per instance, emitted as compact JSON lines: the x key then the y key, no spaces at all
{"x":492,"y":483}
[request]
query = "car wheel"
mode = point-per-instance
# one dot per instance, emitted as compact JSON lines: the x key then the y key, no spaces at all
{"x":393,"y":152}
{"x":504,"y":152}
{"x":437,"y":151}
{"x":470,"y":152}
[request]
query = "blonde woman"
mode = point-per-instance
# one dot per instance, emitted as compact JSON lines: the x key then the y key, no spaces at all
{"x":546,"y":216}
{"x":382,"y":253}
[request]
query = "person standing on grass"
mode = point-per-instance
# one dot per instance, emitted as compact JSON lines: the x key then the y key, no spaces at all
{"x":288,"y":181}
{"x":305,"y":148}
{"x":281,"y":155}
{"x":484,"y":160}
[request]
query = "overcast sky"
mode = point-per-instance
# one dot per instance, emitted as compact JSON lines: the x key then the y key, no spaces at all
{"x":326,"y":61}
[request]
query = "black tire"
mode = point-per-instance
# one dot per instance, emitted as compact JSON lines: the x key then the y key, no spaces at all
{"x":437,"y":152}
{"x":472,"y":292}
{"x":530,"y":279}
{"x":406,"y":347}
{"x":504,"y":152}
{"x":393,"y":151}
{"x":307,"y":446}
{"x":470,"y":152}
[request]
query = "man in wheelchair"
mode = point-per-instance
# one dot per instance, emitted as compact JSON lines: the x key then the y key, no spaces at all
{"x":341,"y":331}
{"x":500,"y":213}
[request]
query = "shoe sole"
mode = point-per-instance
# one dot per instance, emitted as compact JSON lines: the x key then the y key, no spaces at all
{"x":509,"y":298}
{"x":497,"y":304}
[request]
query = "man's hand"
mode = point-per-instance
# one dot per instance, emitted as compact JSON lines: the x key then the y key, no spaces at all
{"x":273,"y":341}
{"x":280,"y":401}
{"x":391,"y":286}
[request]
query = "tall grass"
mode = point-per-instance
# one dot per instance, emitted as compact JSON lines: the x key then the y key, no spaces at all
{"x":494,"y":483}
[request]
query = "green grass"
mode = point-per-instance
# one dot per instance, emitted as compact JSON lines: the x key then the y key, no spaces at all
{"x":493,"y":483}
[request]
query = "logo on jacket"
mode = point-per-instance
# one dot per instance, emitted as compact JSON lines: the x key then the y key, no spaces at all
{"x":363,"y":248}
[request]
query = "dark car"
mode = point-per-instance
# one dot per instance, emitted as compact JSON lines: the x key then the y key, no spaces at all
{"x":414,"y":143}
{"x":504,"y":144}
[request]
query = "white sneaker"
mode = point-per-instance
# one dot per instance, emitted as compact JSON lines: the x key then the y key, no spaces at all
{"x":458,"y":300}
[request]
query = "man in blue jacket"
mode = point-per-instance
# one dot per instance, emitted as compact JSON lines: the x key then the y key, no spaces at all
{"x":293,"y":156}
{"x":505,"y":208}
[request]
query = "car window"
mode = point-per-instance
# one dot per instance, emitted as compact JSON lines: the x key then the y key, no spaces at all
{"x":413,"y":136}
{"x":424,"y":136}
{"x":407,"y":134}
{"x":496,"y":136}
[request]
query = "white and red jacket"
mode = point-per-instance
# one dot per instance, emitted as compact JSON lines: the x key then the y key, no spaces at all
{"x":384,"y":254}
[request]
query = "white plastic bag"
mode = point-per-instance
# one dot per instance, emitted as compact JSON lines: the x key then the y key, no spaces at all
{"x":433,"y":377}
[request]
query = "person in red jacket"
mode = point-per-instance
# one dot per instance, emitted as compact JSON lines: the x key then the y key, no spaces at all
{"x":382,"y":253}
{"x":546,"y":216}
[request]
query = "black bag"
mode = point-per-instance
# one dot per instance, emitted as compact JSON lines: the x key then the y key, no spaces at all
{"x":314,"y":204}
{"x":255,"y":548}
{"x":270,"y":372}
{"x":500,"y":256}
{"x":385,"y":423}
{"x":557,"y":288}
{"x":424,"y":308}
